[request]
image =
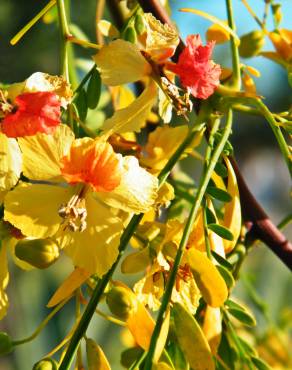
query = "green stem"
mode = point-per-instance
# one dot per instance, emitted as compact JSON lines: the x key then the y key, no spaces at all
{"x":277,"y":132}
{"x":31,"y":23}
{"x":138,"y":362}
{"x":187,"y":230}
{"x":263,"y":110}
{"x":64,"y":30}
{"x":206,"y":234}
{"x":42,"y":325}
{"x":125,"y":238}
{"x":234,"y":49}
{"x":214,"y":128}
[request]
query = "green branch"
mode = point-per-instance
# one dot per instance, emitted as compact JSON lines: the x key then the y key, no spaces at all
{"x":234,"y":49}
{"x":64,"y":31}
{"x":187,"y":230}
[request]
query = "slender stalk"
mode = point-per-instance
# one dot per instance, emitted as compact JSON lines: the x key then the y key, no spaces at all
{"x":32,"y":22}
{"x":234,"y":49}
{"x":83,"y":43}
{"x":277,"y":132}
{"x":79,"y":363}
{"x":42,"y":324}
{"x":125,"y":238}
{"x":64,"y":30}
{"x":98,"y":16}
{"x":187,"y":230}
{"x":206,"y":234}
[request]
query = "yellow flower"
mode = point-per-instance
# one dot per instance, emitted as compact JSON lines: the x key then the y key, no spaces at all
{"x":150,"y":289}
{"x":282,"y":40}
{"x":79,"y":185}
{"x":162,"y":144}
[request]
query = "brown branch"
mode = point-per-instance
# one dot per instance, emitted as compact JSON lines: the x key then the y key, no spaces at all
{"x":261,"y":226}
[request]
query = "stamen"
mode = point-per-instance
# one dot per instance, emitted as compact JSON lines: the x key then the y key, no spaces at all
{"x":74,"y":213}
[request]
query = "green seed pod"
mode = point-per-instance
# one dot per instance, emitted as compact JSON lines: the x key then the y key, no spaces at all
{"x":139,"y":24}
{"x":121,"y":302}
{"x":46,"y":364}
{"x":6,"y":345}
{"x":251,"y":44}
{"x":40,"y":253}
{"x":130,"y":35}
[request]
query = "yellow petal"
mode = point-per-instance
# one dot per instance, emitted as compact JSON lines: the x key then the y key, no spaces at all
{"x":96,"y":248}
{"x":134,"y":116}
{"x":253,"y":71}
{"x":162,"y":144}
{"x":137,"y":190}
{"x":96,"y":358}
{"x":197,"y":237}
{"x":77,"y":277}
{"x":161,"y":39}
{"x":42,"y":153}
{"x":249,"y":84}
{"x":187,"y":294}
{"x":107,"y":29}
{"x":208,"y":278}
{"x":123,"y":96}
{"x":162,"y":337}
{"x":217,"y":33}
{"x":136,"y":262}
{"x":150,"y":290}
{"x":232,"y":210}
{"x":121,"y":62}
{"x":165,"y":195}
{"x":33,"y":208}
{"x":10,"y":163}
{"x":282,"y":41}
{"x":192,"y":340}
{"x":40,"y":81}
{"x":212,"y":327}
{"x":141,"y":325}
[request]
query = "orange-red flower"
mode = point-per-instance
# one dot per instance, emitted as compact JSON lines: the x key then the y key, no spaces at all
{"x":196,"y":71}
{"x":94,"y":163}
{"x":35,"y":112}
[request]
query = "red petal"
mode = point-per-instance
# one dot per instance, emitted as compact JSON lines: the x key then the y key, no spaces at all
{"x":36,"y":112}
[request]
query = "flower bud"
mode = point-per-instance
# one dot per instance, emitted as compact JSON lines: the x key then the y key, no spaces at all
{"x":251,"y":44}
{"x":6,"y":345}
{"x":46,"y":364}
{"x":40,"y":253}
{"x":121,"y":302}
{"x":139,"y":24}
{"x":130,"y":35}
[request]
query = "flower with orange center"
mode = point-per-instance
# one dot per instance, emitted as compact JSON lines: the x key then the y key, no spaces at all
{"x":93,"y":163}
{"x":80,"y":185}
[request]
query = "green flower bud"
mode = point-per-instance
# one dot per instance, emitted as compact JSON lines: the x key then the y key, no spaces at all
{"x":40,"y":253}
{"x":139,"y":24}
{"x":46,"y":364}
{"x":121,"y":302}
{"x":251,"y":44}
{"x":130,"y":35}
{"x":6,"y":345}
